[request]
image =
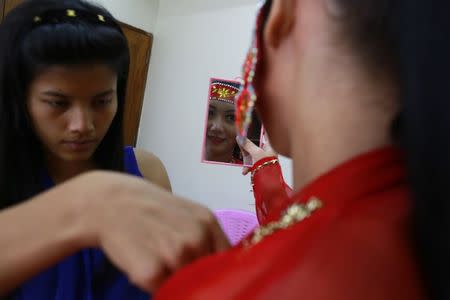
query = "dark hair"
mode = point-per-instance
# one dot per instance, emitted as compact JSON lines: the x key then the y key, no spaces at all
{"x":34,"y":36}
{"x":414,"y":37}
{"x":367,"y":24}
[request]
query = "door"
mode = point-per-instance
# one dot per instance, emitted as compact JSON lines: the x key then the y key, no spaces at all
{"x":10,"y":4}
{"x":2,"y":9}
{"x":140,"y":43}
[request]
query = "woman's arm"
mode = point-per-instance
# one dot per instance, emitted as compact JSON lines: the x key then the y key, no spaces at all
{"x":145,"y":231}
{"x":37,"y":234}
{"x":153,"y":169}
{"x":269,"y":188}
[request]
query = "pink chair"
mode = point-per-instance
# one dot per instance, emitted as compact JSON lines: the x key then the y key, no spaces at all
{"x":236,"y":224}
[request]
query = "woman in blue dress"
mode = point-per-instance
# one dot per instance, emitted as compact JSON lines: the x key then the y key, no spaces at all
{"x":63,"y":74}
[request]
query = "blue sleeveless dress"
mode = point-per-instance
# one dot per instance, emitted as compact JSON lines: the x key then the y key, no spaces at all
{"x":86,"y":275}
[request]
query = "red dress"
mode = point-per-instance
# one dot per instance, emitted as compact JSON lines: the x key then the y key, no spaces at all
{"x":356,"y":246}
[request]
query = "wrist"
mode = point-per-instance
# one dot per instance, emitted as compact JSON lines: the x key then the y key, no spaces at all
{"x":82,"y":217}
{"x":262,"y":163}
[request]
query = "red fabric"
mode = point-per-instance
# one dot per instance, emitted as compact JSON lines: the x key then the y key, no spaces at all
{"x":269,"y":188}
{"x":357,"y":246}
{"x":261,"y":162}
{"x":224,"y":90}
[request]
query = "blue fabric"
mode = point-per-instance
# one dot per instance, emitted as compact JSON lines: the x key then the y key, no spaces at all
{"x":131,"y":165}
{"x":86,"y":275}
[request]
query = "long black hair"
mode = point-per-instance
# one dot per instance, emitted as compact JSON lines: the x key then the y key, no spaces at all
{"x":422,"y":33}
{"x":411,"y":39}
{"x":35,"y":35}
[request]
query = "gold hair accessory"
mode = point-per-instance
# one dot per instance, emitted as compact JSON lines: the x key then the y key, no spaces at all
{"x":60,"y":16}
{"x":293,"y":215}
{"x":71,"y":13}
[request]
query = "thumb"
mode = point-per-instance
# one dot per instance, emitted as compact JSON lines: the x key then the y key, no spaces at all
{"x":245,"y":171}
{"x":248,"y":146}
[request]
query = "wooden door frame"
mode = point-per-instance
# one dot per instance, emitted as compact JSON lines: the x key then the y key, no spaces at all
{"x":150,"y":35}
{"x":149,"y":53}
{"x":2,"y":10}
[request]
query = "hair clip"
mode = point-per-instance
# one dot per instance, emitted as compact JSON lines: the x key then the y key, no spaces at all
{"x":71,"y":13}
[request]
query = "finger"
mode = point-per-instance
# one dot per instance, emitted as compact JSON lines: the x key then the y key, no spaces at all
{"x":249,"y":146}
{"x":245,"y":171}
{"x":266,"y":145}
{"x":161,"y":252}
{"x":219,"y":239}
{"x":244,"y":152}
{"x":266,"y":138}
{"x":173,"y":210}
{"x":247,"y":160}
{"x":149,"y":275}
{"x":142,"y":265}
{"x":200,"y":238}
{"x":200,"y":230}
{"x":158,"y":281}
{"x":169,"y":242}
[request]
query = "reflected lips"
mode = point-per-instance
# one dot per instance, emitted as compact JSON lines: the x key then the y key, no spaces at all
{"x":216,"y":140}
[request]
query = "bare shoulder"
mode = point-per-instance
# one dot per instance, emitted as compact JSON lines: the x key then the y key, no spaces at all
{"x":152,"y":168}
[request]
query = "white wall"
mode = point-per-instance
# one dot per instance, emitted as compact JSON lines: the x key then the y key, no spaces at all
{"x":139,"y":13}
{"x":195,"y":40}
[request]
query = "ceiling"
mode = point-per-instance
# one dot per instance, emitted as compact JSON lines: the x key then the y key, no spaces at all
{"x":187,"y":7}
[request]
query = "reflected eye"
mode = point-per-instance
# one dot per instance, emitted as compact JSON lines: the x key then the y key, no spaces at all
{"x":230,"y":118}
{"x":211,"y":113}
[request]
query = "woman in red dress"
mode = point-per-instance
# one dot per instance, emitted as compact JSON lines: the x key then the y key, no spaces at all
{"x":357,"y":94}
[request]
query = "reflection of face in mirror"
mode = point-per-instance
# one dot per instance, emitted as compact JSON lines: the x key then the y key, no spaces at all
{"x":220,"y":144}
{"x":220,"y":139}
{"x":221,"y":131}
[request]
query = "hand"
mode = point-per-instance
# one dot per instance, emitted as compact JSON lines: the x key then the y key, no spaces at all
{"x":252,"y":153}
{"x":148,"y":233}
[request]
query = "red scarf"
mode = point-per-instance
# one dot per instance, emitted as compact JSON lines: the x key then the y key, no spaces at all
{"x":357,"y":246}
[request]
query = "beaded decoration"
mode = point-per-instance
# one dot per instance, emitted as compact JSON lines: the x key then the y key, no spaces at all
{"x":223,"y":90}
{"x":267,"y":163}
{"x":246,"y":98}
{"x":296,"y":213}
